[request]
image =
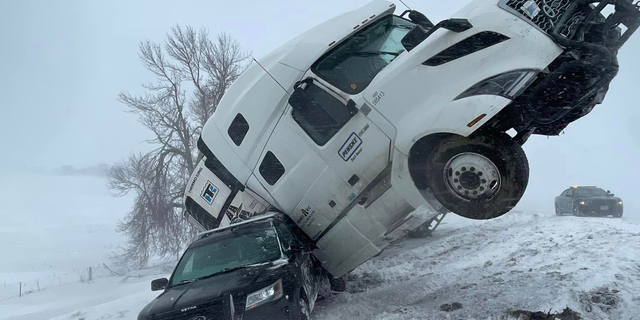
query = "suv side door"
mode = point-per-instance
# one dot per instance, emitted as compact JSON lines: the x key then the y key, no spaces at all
{"x":567,"y":201}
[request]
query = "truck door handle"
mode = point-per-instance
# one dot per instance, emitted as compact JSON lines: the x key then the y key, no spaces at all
{"x":353,"y":180}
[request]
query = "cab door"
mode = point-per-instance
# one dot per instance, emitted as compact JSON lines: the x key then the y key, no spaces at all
{"x":353,"y":148}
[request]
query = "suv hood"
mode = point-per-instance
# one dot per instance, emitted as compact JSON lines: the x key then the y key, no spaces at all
{"x":242,"y":281}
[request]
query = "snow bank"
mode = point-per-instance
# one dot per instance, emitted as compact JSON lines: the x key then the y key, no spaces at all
{"x":517,"y":262}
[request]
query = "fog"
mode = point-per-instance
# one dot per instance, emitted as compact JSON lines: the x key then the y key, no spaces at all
{"x":64,"y":63}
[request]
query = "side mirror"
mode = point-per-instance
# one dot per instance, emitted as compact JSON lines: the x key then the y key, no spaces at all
{"x":300,"y":98}
{"x":420,"y":19}
{"x":456,"y":25}
{"x":611,"y":195}
{"x":414,"y":37}
{"x":159,"y":284}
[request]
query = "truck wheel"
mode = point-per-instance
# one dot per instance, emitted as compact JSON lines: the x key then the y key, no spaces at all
{"x":478,"y":178}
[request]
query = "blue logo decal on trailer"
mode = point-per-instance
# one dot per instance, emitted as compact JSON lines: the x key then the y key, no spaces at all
{"x":210,"y":192}
{"x":350,"y":147}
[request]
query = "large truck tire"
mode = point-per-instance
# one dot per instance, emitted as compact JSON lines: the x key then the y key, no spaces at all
{"x":481,"y":177}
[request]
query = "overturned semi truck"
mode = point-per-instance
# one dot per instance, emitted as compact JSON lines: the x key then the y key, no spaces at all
{"x":372,"y":124}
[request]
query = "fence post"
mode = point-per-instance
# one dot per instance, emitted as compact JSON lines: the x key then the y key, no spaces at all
{"x":20,"y":289}
{"x":90,"y":275}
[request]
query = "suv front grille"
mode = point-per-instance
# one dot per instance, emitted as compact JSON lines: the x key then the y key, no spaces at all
{"x":551,"y":11}
{"x":210,"y":310}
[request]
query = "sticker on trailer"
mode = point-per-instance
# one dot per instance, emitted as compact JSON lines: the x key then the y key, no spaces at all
{"x":350,"y":147}
{"x":210,"y":192}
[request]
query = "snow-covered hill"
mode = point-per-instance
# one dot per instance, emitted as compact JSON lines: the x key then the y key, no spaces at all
{"x":483,"y":269}
{"x":520,"y":261}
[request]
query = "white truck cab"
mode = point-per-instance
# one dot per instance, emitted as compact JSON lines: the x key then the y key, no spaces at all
{"x":356,"y":123}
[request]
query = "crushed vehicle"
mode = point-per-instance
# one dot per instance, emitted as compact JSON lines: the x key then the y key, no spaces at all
{"x":261,"y":268}
{"x":588,"y":201}
{"x":353,"y":125}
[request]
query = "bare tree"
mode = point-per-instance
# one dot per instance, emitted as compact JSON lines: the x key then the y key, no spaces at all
{"x":192,"y":74}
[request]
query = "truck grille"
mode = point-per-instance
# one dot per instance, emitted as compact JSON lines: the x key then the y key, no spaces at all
{"x":551,"y":12}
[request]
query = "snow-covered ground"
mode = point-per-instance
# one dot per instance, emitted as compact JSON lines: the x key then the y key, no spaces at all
{"x":535,"y":262}
{"x":527,"y":261}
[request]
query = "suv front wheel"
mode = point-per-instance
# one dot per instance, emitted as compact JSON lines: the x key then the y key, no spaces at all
{"x":480,"y":177}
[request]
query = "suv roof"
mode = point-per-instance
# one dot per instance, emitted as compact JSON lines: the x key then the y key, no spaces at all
{"x":252,"y":220}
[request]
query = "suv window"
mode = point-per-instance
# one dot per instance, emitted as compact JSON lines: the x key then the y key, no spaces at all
{"x":352,"y":65}
{"x":287,"y":236}
{"x":323,"y":116}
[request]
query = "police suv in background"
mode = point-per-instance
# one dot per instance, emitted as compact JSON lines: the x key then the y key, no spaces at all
{"x":588,"y":201}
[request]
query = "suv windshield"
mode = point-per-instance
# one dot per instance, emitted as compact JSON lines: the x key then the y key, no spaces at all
{"x":237,"y":250}
{"x":590,"y":192}
{"x":353,"y":64}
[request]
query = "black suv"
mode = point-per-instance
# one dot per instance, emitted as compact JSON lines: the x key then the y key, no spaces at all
{"x":257,"y":269}
{"x":588,"y":201}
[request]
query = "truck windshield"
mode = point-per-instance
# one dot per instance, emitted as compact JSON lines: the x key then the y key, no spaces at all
{"x":354,"y":63}
{"x":590,"y":192}
{"x":241,"y":249}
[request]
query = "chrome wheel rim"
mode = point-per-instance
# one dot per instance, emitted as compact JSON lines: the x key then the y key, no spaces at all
{"x":472,"y":177}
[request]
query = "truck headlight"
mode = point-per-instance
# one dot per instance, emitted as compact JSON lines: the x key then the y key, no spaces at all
{"x":619,"y":202}
{"x":270,"y":293}
{"x":582,"y":202}
{"x":509,"y":85}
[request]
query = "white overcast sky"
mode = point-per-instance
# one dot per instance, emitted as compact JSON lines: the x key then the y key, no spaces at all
{"x":63,"y":63}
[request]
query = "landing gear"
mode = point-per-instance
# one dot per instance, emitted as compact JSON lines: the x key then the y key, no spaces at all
{"x":478,"y":178}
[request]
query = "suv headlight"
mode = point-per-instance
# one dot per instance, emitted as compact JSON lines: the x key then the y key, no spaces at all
{"x":582,"y":202}
{"x":270,"y":293}
{"x":509,"y":85}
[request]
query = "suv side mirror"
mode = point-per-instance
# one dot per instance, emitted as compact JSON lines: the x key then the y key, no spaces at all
{"x":159,"y":284}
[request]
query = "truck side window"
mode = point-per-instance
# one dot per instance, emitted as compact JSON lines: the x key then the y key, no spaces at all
{"x":323,"y":116}
{"x":570,"y":193}
{"x":238,"y":129}
{"x":353,"y":64}
{"x":271,"y":168}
